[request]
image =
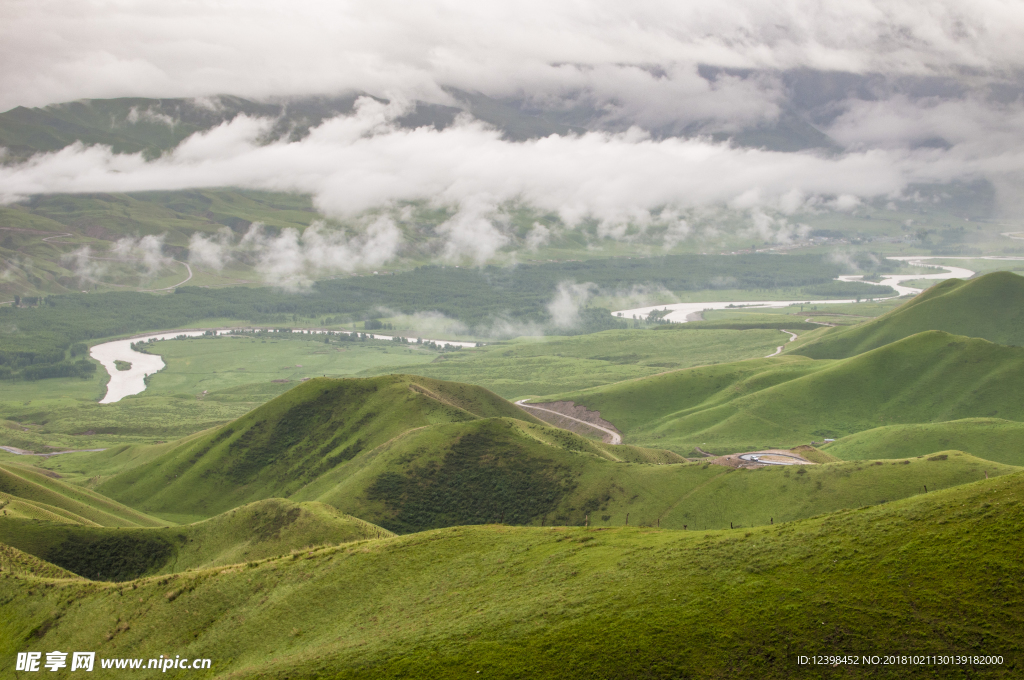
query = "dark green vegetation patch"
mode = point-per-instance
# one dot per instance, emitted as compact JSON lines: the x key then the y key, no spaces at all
{"x":485,"y":476}
{"x":254,"y":531}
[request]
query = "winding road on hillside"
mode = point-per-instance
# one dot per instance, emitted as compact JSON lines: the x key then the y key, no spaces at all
{"x":180,"y":283}
{"x":615,"y":436}
{"x":778,"y":350}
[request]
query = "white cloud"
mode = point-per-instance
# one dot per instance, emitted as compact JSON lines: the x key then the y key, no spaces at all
{"x":569,"y":299}
{"x":621,"y":54}
{"x":85,"y":266}
{"x":354,"y":163}
{"x":210,"y":251}
{"x":293,"y":260}
{"x":146,"y":252}
{"x":538,"y":236}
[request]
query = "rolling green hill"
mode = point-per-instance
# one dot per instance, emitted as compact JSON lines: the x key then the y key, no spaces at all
{"x":17,"y":562}
{"x":425,"y":464}
{"x":990,"y":438}
{"x":251,"y":532}
{"x":284,"y":445}
{"x":989,"y":307}
{"x":35,"y":493}
{"x":926,"y":378}
{"x":936,"y":574}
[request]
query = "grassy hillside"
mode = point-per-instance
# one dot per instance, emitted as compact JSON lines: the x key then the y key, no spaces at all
{"x":17,"y":562}
{"x":35,"y":493}
{"x":989,"y":307}
{"x":554,"y":602}
{"x":929,"y":377}
{"x":410,"y":474}
{"x":251,"y":532}
{"x":292,"y":440}
{"x":990,"y":438}
{"x":529,"y":367}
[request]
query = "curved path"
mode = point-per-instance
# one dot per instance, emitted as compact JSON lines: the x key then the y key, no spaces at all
{"x":616,"y":437}
{"x":187,"y":279}
{"x":778,"y":350}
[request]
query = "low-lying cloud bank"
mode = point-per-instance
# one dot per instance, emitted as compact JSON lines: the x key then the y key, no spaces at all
{"x":625,"y":181}
{"x":636,"y":58}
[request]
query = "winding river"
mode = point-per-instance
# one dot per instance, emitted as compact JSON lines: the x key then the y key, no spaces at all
{"x":133,"y":381}
{"x":682,"y":312}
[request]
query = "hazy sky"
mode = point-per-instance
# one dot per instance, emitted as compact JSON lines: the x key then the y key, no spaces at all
{"x":939,"y":99}
{"x":60,"y":50}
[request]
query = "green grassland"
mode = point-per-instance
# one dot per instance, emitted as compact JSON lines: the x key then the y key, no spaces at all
{"x":16,"y":562}
{"x":292,"y":440}
{"x":989,"y":307}
{"x":529,"y":367}
{"x":790,"y":400}
{"x":412,"y":454}
{"x":990,"y":438}
{"x":934,"y":574}
{"x":236,"y":375}
{"x":255,"y":531}
{"x":35,"y":493}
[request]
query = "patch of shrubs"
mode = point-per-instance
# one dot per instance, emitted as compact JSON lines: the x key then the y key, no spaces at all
{"x":487,"y":476}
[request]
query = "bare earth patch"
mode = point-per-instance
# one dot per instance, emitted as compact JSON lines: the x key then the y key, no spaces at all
{"x":758,"y":459}
{"x":570,"y":416}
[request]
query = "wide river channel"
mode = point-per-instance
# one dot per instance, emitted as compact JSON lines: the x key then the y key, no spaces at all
{"x":133,"y":381}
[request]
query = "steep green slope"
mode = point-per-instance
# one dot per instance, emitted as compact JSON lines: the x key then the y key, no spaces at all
{"x":937,"y":574}
{"x":511,"y":471}
{"x":994,"y":439}
{"x":928,"y":377}
{"x":294,"y":439}
{"x":37,"y":494}
{"x":989,"y":307}
{"x":17,"y":562}
{"x":251,"y":532}
{"x":490,"y":472}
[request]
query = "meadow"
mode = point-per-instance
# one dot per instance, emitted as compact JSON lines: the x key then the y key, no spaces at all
{"x":992,"y":438}
{"x":207,"y":381}
{"x":791,"y":400}
{"x":238,"y":375}
{"x":254,"y":531}
{"x":989,"y":307}
{"x":508,"y":602}
{"x":412,"y":454}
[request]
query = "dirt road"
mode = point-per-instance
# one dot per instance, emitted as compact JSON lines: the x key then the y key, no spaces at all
{"x":616,"y":438}
{"x":778,"y":350}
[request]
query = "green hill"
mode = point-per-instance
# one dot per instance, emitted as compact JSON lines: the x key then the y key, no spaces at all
{"x":17,"y":562}
{"x":293,"y":440}
{"x":926,"y":378}
{"x":990,"y":438}
{"x":411,"y":477}
{"x":35,"y":493}
{"x":989,"y":307}
{"x":251,"y":532}
{"x":935,"y":574}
